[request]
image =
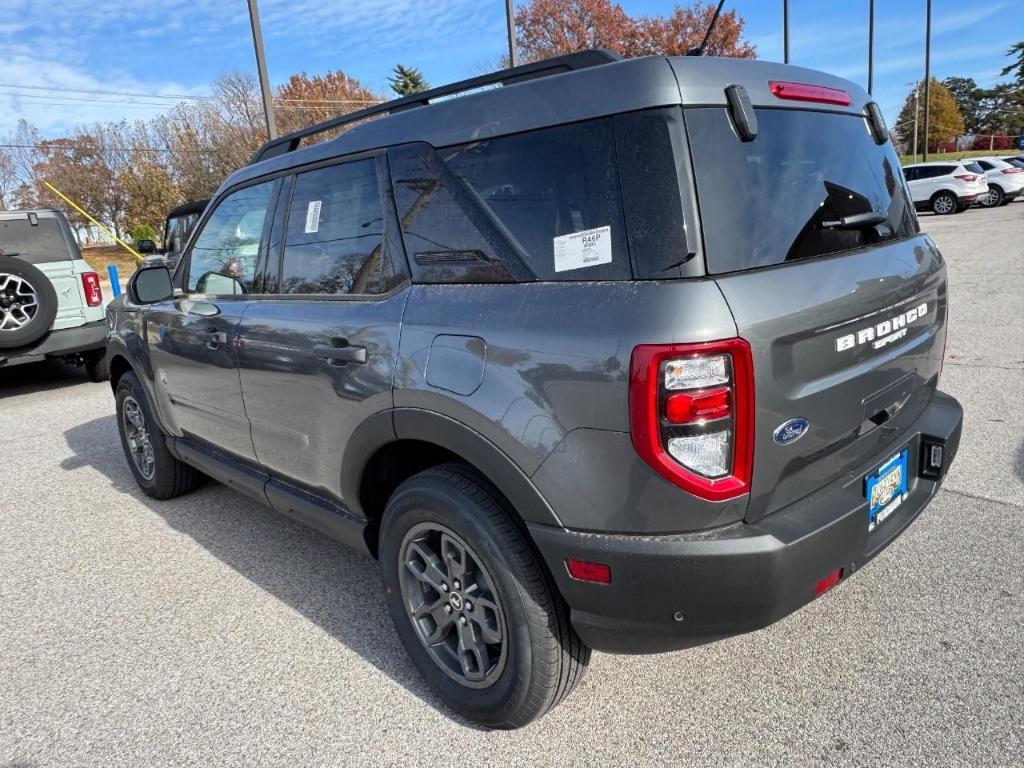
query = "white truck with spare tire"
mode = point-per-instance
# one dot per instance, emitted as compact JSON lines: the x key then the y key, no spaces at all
{"x":51,"y":303}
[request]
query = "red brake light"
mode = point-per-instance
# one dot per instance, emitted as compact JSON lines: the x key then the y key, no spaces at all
{"x":801,"y":92}
{"x":967,"y":177}
{"x":597,"y":573}
{"x":93,"y":292}
{"x":691,"y":413}
{"x":1013,"y":170}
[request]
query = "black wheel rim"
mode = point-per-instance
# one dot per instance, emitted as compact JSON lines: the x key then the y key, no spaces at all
{"x":452,"y":604}
{"x":136,"y":434}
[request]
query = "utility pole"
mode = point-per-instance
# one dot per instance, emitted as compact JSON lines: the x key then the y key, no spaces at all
{"x":927,"y":75}
{"x":510,"y":22}
{"x":871,"y":44}
{"x":261,"y":66}
{"x":916,"y":108}
{"x":785,"y":31}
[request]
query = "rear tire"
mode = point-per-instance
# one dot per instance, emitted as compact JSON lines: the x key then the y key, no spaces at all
{"x":28,"y":303}
{"x":994,"y":198}
{"x":512,"y":656}
{"x":157,"y":472}
{"x":944,"y":203}
{"x":96,"y":366}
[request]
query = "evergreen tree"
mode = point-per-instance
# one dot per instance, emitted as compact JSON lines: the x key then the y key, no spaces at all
{"x":407,"y":80}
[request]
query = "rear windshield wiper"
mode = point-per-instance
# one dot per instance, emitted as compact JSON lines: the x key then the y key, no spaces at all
{"x":857,"y":221}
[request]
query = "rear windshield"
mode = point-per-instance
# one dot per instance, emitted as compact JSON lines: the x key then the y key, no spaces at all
{"x":36,"y":244}
{"x":782,"y":196}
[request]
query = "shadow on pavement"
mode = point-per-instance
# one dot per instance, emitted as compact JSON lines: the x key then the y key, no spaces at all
{"x":28,"y":378}
{"x":325,"y":581}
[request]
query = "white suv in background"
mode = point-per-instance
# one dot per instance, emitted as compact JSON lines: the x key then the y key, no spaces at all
{"x":1005,"y":181}
{"x":945,"y":187}
{"x":51,"y":305}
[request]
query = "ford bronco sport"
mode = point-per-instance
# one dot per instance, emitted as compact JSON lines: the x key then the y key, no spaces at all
{"x":51,"y":303}
{"x":625,"y":355}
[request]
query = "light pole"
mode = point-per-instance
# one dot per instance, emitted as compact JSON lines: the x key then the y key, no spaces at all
{"x":510,"y":22}
{"x":927,"y":76}
{"x":261,"y":66}
{"x":917,"y":104}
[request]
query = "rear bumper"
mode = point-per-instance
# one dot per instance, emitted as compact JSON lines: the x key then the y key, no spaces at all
{"x":671,"y":592}
{"x":82,"y":338}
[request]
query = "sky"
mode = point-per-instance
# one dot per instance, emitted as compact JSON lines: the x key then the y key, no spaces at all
{"x":59,"y":67}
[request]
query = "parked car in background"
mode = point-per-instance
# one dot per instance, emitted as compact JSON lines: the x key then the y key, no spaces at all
{"x":1016,"y":162}
{"x":945,"y":187}
{"x":1005,"y":181}
{"x":629,"y":355}
{"x":51,"y":304}
{"x":177,"y":227}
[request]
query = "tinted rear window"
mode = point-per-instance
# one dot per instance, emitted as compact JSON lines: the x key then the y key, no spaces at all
{"x":37,"y":244}
{"x":974,"y":168}
{"x":770,"y":200}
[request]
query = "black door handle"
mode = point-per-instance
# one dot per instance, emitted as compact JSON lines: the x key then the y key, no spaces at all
{"x":340,"y":355}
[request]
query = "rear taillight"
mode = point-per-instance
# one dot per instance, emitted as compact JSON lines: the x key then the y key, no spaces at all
{"x":967,"y":177}
{"x":1012,"y":170}
{"x":691,"y":413}
{"x":93,"y":292}
{"x":802,"y":92}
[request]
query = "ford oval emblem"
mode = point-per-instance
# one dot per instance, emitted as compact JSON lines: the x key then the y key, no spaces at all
{"x":790,"y":431}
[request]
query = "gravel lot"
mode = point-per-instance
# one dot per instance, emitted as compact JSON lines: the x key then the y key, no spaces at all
{"x":210,"y":631}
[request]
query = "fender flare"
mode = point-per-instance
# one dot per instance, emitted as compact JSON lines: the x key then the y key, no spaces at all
{"x":431,"y":427}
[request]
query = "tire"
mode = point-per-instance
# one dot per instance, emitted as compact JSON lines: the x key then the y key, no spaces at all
{"x":28,"y":303}
{"x":994,"y":198}
{"x":538,"y":660}
{"x":96,"y":366}
{"x":944,"y":204}
{"x":157,"y":472}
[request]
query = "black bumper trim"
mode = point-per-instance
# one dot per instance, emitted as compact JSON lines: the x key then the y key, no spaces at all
{"x":671,"y":592}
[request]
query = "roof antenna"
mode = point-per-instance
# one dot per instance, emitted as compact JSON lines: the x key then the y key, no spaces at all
{"x":699,"y":51}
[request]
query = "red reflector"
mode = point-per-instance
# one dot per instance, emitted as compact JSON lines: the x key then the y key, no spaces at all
{"x":801,"y":92}
{"x":93,"y":292}
{"x":828,"y":582}
{"x":687,"y":407}
{"x":599,"y":573}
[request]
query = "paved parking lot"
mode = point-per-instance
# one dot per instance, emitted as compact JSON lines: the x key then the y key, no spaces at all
{"x":210,"y":631}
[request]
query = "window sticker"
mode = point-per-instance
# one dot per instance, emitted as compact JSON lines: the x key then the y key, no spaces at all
{"x":583,"y":249}
{"x":313,"y":216}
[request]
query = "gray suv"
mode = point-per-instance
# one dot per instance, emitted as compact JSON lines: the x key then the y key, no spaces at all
{"x":626,"y":355}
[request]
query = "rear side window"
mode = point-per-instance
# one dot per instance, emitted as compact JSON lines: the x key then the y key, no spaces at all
{"x":334,"y":242}
{"x":778,"y":198}
{"x":974,"y":167}
{"x":37,"y":244}
{"x":541,"y":205}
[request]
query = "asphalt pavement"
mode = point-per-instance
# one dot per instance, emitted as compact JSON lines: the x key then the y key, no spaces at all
{"x":210,"y":631}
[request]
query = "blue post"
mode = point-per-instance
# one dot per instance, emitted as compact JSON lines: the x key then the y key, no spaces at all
{"x":115,"y":282}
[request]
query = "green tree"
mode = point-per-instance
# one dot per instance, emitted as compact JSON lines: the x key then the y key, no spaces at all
{"x":407,"y":80}
{"x":945,"y":121}
{"x":1016,"y":68}
{"x":968,"y":97}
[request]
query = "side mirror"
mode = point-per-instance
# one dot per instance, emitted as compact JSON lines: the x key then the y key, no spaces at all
{"x":146,"y":246}
{"x":151,"y":285}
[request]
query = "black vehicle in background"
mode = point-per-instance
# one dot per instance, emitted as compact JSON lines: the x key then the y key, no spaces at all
{"x":177,"y":227}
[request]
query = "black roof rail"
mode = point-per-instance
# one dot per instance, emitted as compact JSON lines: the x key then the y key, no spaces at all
{"x":591,"y":58}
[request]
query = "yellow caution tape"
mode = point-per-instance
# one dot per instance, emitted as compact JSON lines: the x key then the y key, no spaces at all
{"x":72,"y":203}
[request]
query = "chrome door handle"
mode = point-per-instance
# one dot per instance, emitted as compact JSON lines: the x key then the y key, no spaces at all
{"x":340,"y":355}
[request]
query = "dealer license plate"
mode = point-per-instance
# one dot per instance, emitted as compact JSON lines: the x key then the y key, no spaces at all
{"x":886,"y":489}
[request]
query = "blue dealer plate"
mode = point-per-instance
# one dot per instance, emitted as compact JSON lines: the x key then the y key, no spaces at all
{"x":886,"y":488}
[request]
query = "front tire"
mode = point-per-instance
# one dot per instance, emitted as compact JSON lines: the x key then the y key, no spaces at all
{"x":944,"y":203}
{"x":158,"y":473}
{"x":472,"y":604}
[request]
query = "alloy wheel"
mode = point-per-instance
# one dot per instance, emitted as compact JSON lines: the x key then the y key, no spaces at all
{"x":137,"y":435}
{"x":452,"y":602}
{"x":943,"y":204}
{"x":19,"y":302}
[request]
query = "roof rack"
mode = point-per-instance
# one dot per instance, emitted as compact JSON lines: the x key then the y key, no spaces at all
{"x":572,"y":61}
